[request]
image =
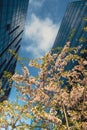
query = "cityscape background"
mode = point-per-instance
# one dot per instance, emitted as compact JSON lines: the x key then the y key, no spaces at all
{"x":46,"y":97}
{"x":42,"y":24}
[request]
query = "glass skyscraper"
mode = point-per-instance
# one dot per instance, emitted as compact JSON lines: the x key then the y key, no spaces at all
{"x":74,"y":26}
{"x":12,"y":19}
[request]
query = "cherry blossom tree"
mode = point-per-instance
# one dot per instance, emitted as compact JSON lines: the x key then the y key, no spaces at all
{"x":56,"y":98}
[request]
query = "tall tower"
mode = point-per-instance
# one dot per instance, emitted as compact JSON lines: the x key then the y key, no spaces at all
{"x":74,"y":25}
{"x":12,"y":19}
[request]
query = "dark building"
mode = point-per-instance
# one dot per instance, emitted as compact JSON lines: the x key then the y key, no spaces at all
{"x":74,"y":26}
{"x":12,"y":19}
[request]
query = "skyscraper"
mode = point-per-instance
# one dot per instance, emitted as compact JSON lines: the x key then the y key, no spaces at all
{"x":74,"y":25}
{"x":12,"y":19}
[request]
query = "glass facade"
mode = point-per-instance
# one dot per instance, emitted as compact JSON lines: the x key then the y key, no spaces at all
{"x":72,"y":26}
{"x":12,"y":19}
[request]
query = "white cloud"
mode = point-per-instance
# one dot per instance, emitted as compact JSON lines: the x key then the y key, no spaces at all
{"x":37,"y":3}
{"x":42,"y":35}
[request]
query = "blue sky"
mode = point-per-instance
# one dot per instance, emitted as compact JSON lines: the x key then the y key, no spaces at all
{"x":42,"y":24}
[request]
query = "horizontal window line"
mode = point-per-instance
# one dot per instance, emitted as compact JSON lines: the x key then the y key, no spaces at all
{"x":13,"y":30}
{"x":18,"y":42}
{"x":2,"y":63}
{"x":10,"y":43}
{"x":7,"y":65}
